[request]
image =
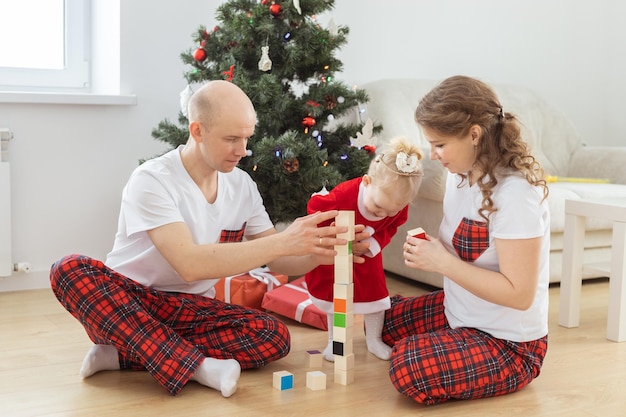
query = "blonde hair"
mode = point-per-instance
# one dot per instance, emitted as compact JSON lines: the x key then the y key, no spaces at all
{"x":388,"y":172}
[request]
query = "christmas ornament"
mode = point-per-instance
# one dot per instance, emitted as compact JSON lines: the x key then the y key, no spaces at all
{"x":199,"y":55}
{"x":265,"y":64}
{"x":185,"y":95}
{"x":275,"y":9}
{"x":291,"y":165}
{"x":264,"y":2}
{"x":296,"y":4}
{"x":231,"y":44}
{"x":229,"y":74}
{"x":370,"y":149}
{"x":308,"y":121}
{"x":332,"y":28}
{"x":330,"y":102}
{"x":365,"y":137}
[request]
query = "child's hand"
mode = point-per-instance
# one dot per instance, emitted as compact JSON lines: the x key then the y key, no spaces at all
{"x":359,"y":246}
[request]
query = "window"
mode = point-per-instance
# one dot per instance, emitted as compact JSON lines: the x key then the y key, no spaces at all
{"x":45,"y":45}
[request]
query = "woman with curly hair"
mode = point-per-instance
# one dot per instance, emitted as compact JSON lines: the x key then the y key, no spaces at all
{"x":485,"y":333}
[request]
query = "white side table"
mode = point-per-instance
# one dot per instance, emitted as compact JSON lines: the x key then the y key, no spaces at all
{"x":613,"y":209}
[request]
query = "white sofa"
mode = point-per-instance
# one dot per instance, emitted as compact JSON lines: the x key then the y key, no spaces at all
{"x":554,"y":142}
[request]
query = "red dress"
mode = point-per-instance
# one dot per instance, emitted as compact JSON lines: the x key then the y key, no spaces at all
{"x":370,"y":285}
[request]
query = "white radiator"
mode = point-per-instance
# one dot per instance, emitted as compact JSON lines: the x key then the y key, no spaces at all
{"x":6,"y":264}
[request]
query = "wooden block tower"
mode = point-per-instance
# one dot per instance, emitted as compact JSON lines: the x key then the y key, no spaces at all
{"x":343,"y":295}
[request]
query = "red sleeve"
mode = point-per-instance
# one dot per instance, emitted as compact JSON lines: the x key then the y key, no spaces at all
{"x":322,"y":203}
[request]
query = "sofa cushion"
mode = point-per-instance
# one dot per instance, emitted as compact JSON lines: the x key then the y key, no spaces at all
{"x":561,"y":191}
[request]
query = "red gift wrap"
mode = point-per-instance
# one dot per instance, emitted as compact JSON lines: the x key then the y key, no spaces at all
{"x":248,"y":289}
{"x":292,"y":300}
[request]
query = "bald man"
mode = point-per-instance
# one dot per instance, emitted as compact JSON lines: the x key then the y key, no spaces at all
{"x":183,"y":219}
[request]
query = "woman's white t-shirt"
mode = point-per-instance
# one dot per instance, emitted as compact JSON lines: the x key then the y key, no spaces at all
{"x":520,"y":215}
{"x":160,"y":192}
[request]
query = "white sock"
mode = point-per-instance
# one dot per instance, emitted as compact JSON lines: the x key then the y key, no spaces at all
{"x":100,"y":358}
{"x":373,"y":335}
{"x":328,"y":352}
{"x":219,"y":374}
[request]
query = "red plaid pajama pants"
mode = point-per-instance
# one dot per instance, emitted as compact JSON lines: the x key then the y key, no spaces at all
{"x":432,"y":363}
{"x":168,"y":334}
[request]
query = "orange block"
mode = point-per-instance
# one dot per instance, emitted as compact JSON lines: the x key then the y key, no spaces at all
{"x":339,"y":305}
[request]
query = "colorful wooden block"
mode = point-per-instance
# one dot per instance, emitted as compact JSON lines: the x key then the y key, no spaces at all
{"x":344,"y":377}
{"x":314,"y":358}
{"x":343,"y":319}
{"x":316,"y":380}
{"x":343,"y":306}
{"x":344,"y":250}
{"x":344,"y":363}
{"x":342,"y":348}
{"x":283,"y":380}
{"x":417,"y":232}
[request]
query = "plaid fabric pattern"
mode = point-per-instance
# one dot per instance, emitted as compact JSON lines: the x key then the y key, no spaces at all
{"x":471,"y":239}
{"x":432,"y":363}
{"x":167,"y":334}
{"x":232,"y":235}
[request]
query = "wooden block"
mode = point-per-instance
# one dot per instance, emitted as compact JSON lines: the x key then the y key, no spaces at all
{"x":346,"y":218}
{"x":344,"y":363}
{"x":417,"y":232}
{"x":342,"y":348}
{"x":283,"y":380}
{"x":343,"y":334}
{"x":316,"y":380}
{"x":344,"y":250}
{"x":343,"y":319}
{"x":343,"y":270}
{"x":344,"y":291}
{"x":344,"y":377}
{"x":314,"y":358}
{"x":343,"y":305}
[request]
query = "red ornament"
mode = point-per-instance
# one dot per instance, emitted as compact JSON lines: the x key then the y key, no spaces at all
{"x":308,"y":121}
{"x":230,"y":73}
{"x":199,"y":55}
{"x":264,"y":2}
{"x":275,"y":9}
{"x":370,"y":149}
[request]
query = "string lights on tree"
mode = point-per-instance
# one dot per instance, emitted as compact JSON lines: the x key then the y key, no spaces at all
{"x":283,"y":57}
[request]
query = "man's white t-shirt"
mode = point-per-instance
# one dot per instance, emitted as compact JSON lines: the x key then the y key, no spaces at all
{"x":520,"y":215}
{"x":160,"y":192}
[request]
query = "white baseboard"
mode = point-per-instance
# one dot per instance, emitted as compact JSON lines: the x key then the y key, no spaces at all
{"x":20,"y":281}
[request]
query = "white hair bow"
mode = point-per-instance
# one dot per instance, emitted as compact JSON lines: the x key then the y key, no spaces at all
{"x":406,"y":163}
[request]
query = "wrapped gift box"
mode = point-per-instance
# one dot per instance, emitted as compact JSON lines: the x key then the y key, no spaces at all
{"x":292,"y":300}
{"x":248,"y":289}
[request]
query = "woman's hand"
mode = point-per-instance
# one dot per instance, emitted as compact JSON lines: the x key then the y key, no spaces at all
{"x":425,"y":254}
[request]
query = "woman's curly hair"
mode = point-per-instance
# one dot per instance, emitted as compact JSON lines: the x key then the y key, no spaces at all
{"x":458,"y":103}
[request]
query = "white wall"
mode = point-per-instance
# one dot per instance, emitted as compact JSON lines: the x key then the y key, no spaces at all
{"x":69,"y":162}
{"x":571,"y":52}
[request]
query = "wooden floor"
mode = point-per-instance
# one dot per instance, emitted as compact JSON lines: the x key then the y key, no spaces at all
{"x":42,"y":348}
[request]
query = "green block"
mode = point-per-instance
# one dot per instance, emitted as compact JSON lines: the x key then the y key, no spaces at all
{"x":339,"y":319}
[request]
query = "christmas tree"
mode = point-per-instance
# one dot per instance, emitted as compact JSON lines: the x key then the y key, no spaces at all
{"x":283,"y":58}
